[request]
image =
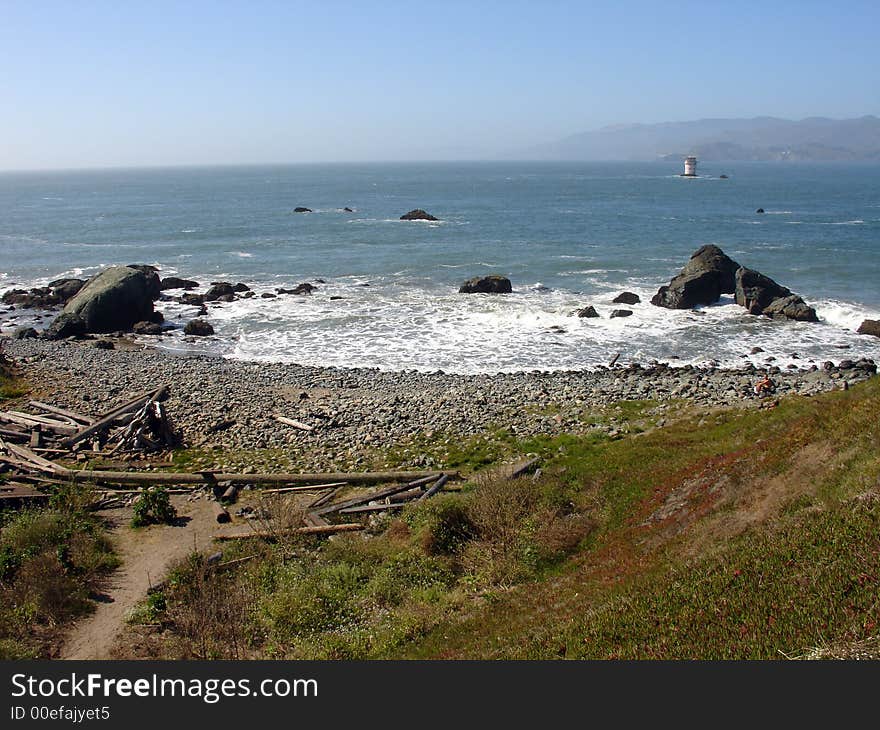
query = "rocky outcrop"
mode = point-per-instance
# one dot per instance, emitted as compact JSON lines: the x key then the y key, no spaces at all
{"x":626,"y":297}
{"x":493,"y":284}
{"x":66,"y":324}
{"x":791,"y":307}
{"x":418,"y":215}
{"x":24,"y":333}
{"x":587,"y":312}
{"x":869,"y":327}
{"x":709,"y":274}
{"x":174,"y":282}
{"x":299,"y":289}
{"x":759,"y":294}
{"x":54,"y":294}
{"x":147,"y":328}
{"x":219,"y":291}
{"x":115,"y":299}
{"x":198,"y":327}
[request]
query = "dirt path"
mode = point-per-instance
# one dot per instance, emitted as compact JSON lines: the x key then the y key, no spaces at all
{"x":146,"y":556}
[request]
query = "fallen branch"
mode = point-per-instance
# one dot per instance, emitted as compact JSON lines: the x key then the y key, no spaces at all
{"x":375,"y":495}
{"x":296,"y":424}
{"x":319,"y":530}
{"x":72,"y":415}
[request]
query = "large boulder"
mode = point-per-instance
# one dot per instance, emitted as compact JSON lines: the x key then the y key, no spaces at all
{"x":418,"y":215}
{"x":588,"y":312}
{"x":761,"y":295}
{"x":115,"y":299}
{"x":66,"y":324}
{"x":493,"y":284}
{"x":870,"y":327}
{"x":791,"y":307}
{"x":709,"y":274}
{"x":220,"y":290}
{"x":627,"y":297}
{"x":198,"y":328}
{"x":66,"y":289}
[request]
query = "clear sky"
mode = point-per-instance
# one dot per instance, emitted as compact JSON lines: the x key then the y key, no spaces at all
{"x":121,"y":83}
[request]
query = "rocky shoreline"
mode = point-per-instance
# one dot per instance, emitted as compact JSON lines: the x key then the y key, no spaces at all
{"x":231,"y":405}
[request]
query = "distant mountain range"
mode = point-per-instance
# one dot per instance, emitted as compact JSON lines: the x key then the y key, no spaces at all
{"x":761,"y":138}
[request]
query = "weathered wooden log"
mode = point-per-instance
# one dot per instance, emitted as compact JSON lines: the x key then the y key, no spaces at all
{"x":326,"y":497}
{"x":306,"y":488}
{"x":310,"y":530}
{"x":110,"y":418}
{"x":133,"y":477}
{"x":363,"y":499}
{"x":520,"y":468}
{"x":435,"y":487}
{"x":11,"y":433}
{"x":26,"y":420}
{"x":230,"y":494}
{"x":72,"y":415}
{"x":296,"y":424}
{"x":310,"y":518}
{"x":220,"y":513}
{"x":372,"y":508}
{"x":36,"y":437}
{"x":38,"y":461}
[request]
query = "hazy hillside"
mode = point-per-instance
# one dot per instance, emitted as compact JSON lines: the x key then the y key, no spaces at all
{"x":761,"y":138}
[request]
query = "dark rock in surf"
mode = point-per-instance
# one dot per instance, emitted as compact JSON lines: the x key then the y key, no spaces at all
{"x":759,"y":294}
{"x":709,"y":274}
{"x":493,"y":284}
{"x":302,"y":209}
{"x":588,"y":312}
{"x":299,"y":289}
{"x":760,"y":210}
{"x":175,"y":282}
{"x":239,"y":288}
{"x":418,"y":215}
{"x":219,"y":289}
{"x":198,"y":328}
{"x":626,"y":297}
{"x":869,"y":327}
{"x":621,"y":313}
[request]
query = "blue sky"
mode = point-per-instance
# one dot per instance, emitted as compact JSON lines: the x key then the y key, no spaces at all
{"x":87,"y":84}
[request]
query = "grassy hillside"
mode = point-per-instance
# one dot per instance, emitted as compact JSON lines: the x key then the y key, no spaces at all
{"x":727,"y":533}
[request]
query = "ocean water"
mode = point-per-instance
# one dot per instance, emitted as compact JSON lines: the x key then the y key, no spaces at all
{"x":567,"y":234}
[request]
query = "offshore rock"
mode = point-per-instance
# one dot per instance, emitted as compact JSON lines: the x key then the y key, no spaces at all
{"x":709,"y":274}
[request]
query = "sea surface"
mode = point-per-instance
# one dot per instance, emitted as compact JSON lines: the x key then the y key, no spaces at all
{"x":568,"y":235}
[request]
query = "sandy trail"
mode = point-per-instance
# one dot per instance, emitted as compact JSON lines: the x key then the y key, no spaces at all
{"x":146,"y":555}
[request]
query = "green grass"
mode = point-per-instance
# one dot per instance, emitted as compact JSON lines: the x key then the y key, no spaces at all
{"x":50,"y":562}
{"x":767,"y":552}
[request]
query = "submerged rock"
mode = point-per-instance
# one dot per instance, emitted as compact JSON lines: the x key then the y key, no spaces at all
{"x":621,"y":313}
{"x":302,"y":209}
{"x":493,"y":284}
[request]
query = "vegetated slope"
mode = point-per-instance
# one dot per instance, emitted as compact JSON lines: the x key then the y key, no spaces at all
{"x":726,"y":535}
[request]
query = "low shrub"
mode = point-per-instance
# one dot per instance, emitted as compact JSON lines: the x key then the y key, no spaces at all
{"x":153,"y":507}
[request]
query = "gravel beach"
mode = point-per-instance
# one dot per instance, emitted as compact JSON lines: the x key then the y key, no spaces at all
{"x":230,"y":405}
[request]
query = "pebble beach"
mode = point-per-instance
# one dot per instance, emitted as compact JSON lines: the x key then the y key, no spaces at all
{"x":230,"y":406}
